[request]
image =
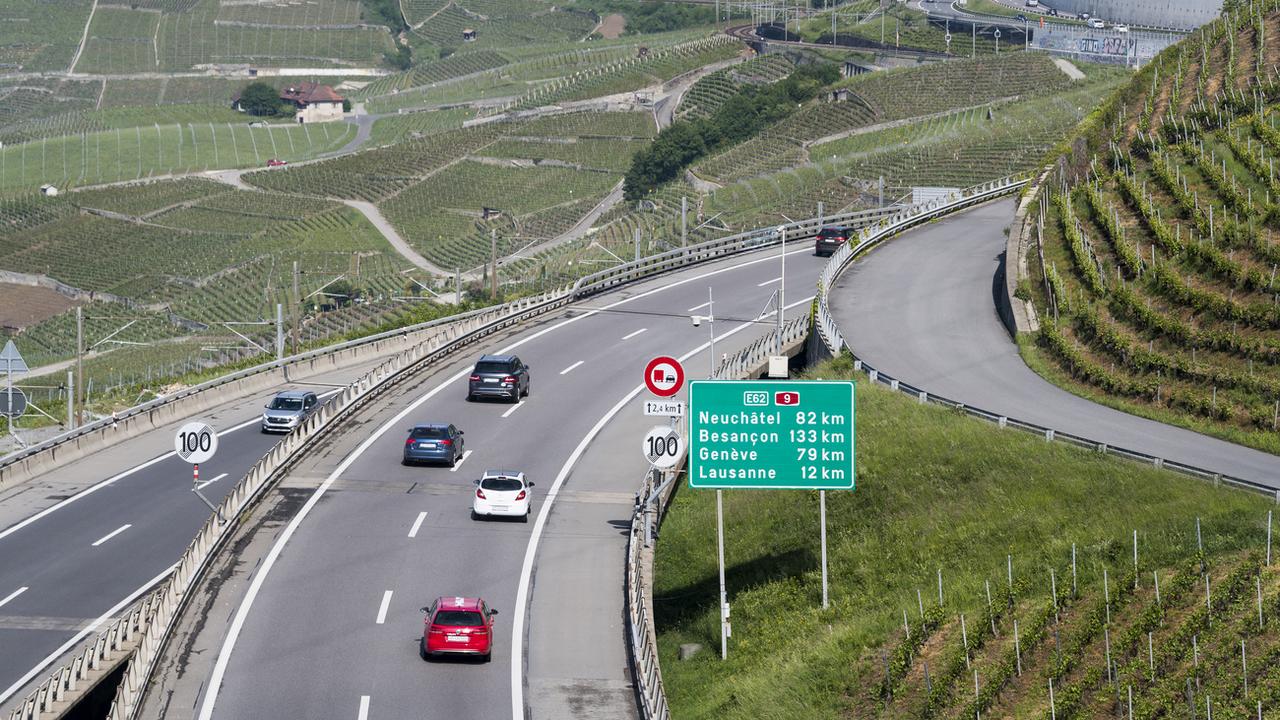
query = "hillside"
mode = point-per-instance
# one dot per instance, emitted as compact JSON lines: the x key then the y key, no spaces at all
{"x":1157,"y":290}
{"x":944,"y":498}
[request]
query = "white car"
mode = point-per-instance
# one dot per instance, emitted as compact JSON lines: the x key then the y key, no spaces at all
{"x":1120,"y":28}
{"x":1097,"y":23}
{"x":502,"y":493}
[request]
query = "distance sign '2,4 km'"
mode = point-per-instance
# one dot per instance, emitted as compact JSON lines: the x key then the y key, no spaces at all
{"x":770,"y":434}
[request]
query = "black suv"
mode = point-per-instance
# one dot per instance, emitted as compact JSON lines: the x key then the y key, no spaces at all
{"x":830,"y":239}
{"x":499,"y":376}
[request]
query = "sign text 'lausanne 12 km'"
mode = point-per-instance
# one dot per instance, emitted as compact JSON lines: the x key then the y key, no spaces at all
{"x":771,"y":434}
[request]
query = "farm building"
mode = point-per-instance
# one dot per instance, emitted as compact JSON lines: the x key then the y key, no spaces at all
{"x":315,"y":102}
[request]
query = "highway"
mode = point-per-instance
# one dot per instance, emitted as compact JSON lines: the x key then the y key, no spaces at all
{"x":921,"y":309}
{"x":329,"y":625}
{"x":84,"y":540}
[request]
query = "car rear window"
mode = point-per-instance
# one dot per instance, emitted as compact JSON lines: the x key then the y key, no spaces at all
{"x":832,"y":232}
{"x":493,"y":367}
{"x":458,"y":618}
{"x":430,"y":432}
{"x":286,"y":404}
{"x":500,"y":483}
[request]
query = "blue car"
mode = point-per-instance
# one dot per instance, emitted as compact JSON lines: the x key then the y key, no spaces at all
{"x":433,"y":443}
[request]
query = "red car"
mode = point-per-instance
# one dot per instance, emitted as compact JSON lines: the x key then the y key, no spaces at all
{"x":457,"y":626}
{"x":273,"y":162}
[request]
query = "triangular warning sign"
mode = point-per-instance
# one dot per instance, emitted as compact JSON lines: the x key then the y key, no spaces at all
{"x":11,"y":360}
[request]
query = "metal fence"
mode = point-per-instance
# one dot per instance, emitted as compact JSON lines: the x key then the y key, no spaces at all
{"x":832,"y":337}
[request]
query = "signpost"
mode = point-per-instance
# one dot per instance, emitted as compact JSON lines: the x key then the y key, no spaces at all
{"x":196,"y":442}
{"x":746,"y":434}
{"x":14,"y":402}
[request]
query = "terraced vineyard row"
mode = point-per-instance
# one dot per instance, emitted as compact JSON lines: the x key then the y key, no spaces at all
{"x":1159,"y":258}
{"x":710,"y":92}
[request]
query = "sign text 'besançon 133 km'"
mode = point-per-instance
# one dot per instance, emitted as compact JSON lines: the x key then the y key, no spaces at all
{"x":771,"y":434}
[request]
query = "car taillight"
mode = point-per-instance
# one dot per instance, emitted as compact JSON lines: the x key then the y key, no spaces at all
{"x":475,"y":378}
{"x":480,"y":494}
{"x":446,"y":442}
{"x":436,"y":631}
{"x":520,"y":496}
{"x":509,"y":379}
{"x":408,"y":440}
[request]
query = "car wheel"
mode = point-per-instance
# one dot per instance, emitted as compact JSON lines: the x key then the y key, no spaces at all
{"x":525,"y":517}
{"x":528,"y":389}
{"x":406,"y":462}
{"x":471,"y":398}
{"x":453,"y":460}
{"x":422,"y":650}
{"x":475,"y":515}
{"x":487,"y":656}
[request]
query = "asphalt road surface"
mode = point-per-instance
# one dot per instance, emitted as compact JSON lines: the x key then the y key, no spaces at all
{"x":921,"y":308}
{"x":330,"y":624}
{"x":81,"y":542}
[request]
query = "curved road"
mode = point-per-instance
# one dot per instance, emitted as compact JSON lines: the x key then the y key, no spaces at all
{"x":330,"y":623}
{"x":921,"y":308}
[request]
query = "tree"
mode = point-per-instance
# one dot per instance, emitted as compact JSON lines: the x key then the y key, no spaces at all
{"x":259,"y":98}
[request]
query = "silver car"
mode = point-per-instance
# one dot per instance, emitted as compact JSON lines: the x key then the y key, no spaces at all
{"x":287,"y":409}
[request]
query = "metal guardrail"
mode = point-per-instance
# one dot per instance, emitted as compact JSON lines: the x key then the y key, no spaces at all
{"x":834,"y":340}
{"x":145,"y":630}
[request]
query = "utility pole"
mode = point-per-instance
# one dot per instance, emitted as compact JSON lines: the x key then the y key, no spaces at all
{"x":457,"y":286}
{"x":782,"y":289}
{"x":279,"y":332}
{"x":296,"y":330}
{"x":71,"y":406}
{"x":493,"y":258}
{"x":684,"y":214}
{"x":79,"y":403}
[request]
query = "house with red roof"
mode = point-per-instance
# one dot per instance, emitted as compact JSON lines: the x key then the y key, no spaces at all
{"x":315,"y":102}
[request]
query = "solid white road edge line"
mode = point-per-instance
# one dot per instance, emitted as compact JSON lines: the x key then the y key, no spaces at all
{"x":417,"y":524}
{"x":13,"y":595}
{"x":631,"y":335}
{"x":211,"y":481}
{"x":570,"y":369}
{"x":112,"y":534}
{"x":768,"y":282}
{"x":62,"y":649}
{"x":255,"y":585}
{"x":466,"y":454}
{"x":92,"y":489}
{"x":531,"y":549}
{"x":382,"y":609}
{"x":364,"y":708}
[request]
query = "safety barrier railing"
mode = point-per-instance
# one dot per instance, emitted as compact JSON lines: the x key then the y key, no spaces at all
{"x":833,"y":338}
{"x":758,"y":351}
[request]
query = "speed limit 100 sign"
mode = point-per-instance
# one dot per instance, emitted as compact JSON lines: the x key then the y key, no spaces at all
{"x":195,"y":442}
{"x":663,"y":446}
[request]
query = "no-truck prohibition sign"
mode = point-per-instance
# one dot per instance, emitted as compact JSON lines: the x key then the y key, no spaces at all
{"x":664,"y":376}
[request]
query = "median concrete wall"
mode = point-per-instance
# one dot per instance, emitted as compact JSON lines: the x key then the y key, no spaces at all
{"x":1182,"y":14}
{"x":1018,"y":315}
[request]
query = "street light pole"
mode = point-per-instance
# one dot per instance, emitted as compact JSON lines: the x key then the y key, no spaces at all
{"x":79,"y":385}
{"x":782,"y":289}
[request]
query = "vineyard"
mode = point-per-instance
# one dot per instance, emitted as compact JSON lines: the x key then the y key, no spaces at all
{"x":38,"y":36}
{"x":996,"y":554}
{"x":140,"y":152}
{"x":711,"y":91}
{"x":120,"y":41}
{"x":1157,"y":291}
{"x":502,"y":24}
{"x":967,"y":147}
{"x":892,"y":96}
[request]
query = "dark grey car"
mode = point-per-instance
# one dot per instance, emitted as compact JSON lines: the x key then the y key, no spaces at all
{"x":287,"y":409}
{"x":433,"y":443}
{"x":501,"y":376}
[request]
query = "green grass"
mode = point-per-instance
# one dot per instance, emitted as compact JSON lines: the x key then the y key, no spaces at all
{"x":935,"y":490}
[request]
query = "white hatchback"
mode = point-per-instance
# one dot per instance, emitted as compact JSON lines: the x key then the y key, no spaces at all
{"x":502,"y":493}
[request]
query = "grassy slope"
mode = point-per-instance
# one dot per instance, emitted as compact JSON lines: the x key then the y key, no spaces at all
{"x":935,"y":490}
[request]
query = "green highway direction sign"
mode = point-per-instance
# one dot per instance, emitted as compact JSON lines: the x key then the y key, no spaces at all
{"x":771,"y":434}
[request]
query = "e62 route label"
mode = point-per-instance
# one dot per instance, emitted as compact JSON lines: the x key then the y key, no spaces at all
{"x":771,"y":435}
{"x":195,"y":442}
